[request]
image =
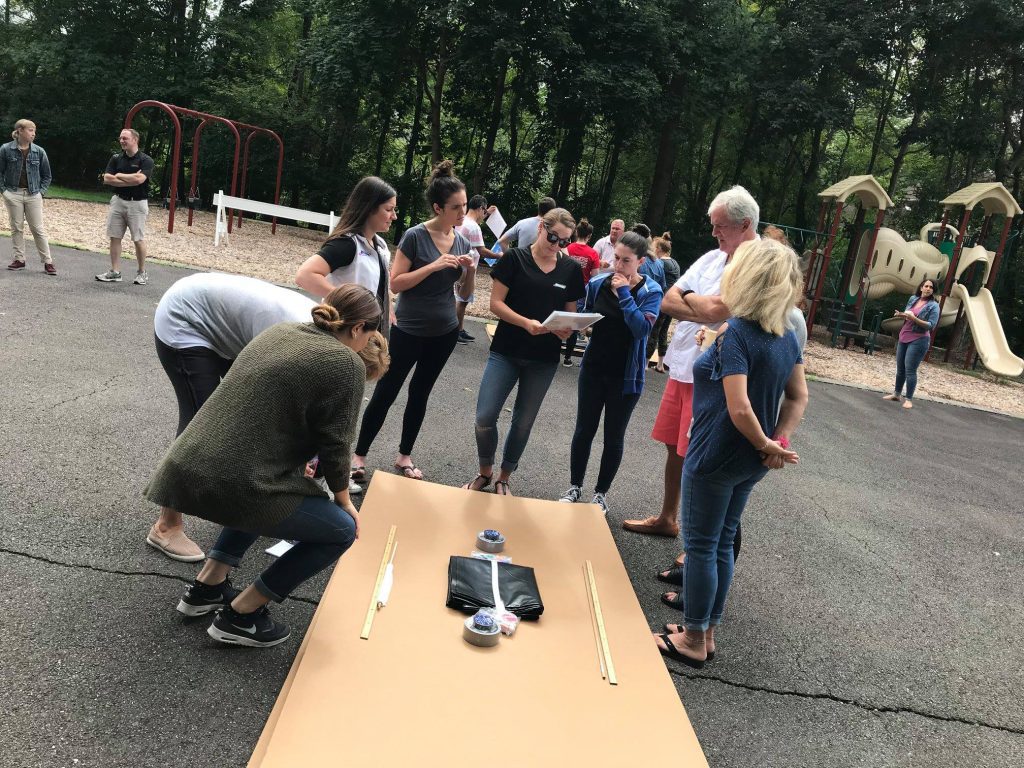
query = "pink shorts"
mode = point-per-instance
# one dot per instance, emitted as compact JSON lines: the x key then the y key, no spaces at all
{"x":675,"y":413}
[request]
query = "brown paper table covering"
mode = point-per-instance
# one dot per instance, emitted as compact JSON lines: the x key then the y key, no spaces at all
{"x":416,"y":694}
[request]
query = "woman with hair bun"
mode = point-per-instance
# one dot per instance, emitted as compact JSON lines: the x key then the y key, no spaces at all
{"x":659,"y":334}
{"x":292,"y":393}
{"x":431,"y":258}
{"x":24,"y":178}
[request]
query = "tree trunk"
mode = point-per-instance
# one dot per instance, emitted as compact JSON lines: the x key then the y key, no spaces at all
{"x":665,"y":161}
{"x":513,"y":146}
{"x":609,"y":184}
{"x":494,"y":121}
{"x":888,"y":95}
{"x":407,"y":204}
{"x":703,"y":191}
{"x":745,"y":147}
{"x":435,"y":93}
{"x":810,"y":176}
{"x":569,"y":154}
{"x":382,"y":139}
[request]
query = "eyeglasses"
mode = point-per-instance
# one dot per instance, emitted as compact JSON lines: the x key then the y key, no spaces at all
{"x":554,"y":238}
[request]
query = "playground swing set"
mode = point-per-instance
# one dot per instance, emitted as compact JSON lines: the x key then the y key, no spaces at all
{"x":175,"y":113}
{"x":883,"y":262}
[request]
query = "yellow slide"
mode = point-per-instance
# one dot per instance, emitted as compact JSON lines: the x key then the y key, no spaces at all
{"x":989,"y":338}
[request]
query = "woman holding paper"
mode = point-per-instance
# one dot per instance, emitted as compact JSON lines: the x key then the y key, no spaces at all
{"x":613,"y":367}
{"x":738,"y":432}
{"x":528,"y":284}
{"x":292,"y":393}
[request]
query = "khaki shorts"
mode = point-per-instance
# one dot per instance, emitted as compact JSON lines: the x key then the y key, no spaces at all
{"x":127,"y":214}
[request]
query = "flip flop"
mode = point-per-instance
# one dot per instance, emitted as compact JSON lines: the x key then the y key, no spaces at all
{"x":503,"y":484}
{"x":409,"y":471}
{"x":669,"y":631}
{"x":670,"y":652}
{"x":469,"y":486}
{"x":358,"y":474}
{"x":674,"y":576}
{"x":649,"y":526}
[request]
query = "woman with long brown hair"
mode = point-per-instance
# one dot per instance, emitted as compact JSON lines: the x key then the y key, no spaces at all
{"x":292,"y":393}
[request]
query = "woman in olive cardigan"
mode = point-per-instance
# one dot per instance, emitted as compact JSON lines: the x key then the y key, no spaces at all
{"x":292,"y":393}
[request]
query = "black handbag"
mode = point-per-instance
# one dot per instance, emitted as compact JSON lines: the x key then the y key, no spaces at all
{"x":469,"y":587}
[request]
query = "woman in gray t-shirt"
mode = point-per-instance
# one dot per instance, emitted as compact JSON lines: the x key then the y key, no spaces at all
{"x":431,"y":257}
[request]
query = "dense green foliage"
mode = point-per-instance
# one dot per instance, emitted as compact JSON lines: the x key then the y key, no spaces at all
{"x":633,"y":108}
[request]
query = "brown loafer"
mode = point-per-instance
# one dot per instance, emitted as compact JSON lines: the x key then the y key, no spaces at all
{"x":652,"y":526}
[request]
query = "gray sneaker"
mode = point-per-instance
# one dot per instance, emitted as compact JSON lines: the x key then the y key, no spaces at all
{"x":572,"y":495}
{"x":109,"y":277}
{"x":141,"y":278}
{"x":600,"y":500}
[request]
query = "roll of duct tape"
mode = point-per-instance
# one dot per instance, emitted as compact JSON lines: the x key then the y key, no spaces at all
{"x":490,"y":541}
{"x":481,"y":629}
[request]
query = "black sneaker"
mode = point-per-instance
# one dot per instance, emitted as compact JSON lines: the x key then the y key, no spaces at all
{"x":201,"y":599}
{"x":465,"y":338}
{"x":256,"y":630}
{"x":567,"y":362}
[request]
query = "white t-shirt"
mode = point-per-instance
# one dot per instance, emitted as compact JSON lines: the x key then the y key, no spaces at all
{"x":605,"y":250}
{"x":471,"y":231}
{"x":703,"y":278}
{"x":223,"y":313}
{"x":523,"y":232}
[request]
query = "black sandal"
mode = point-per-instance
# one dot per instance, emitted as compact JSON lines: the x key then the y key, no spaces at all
{"x":469,"y":486}
{"x":358,"y":474}
{"x":409,"y":471}
{"x":504,"y":485}
{"x":677,"y":603}
{"x":674,"y":576}
{"x":670,"y":652}
{"x":678,"y":628}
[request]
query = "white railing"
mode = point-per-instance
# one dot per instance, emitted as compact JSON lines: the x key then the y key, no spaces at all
{"x":225,"y":203}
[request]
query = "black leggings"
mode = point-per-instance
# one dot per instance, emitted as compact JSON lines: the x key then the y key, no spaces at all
{"x":600,"y":392}
{"x":429,"y":355}
{"x":194,"y":373}
{"x":659,"y":337}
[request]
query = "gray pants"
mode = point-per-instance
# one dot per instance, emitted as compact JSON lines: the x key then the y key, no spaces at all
{"x":22,"y":207}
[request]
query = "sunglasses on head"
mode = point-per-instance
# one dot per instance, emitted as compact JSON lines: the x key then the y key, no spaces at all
{"x":554,"y":238}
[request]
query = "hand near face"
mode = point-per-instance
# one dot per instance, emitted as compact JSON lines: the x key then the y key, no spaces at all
{"x":618,"y":281}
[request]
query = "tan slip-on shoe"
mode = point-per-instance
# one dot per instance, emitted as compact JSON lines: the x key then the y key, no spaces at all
{"x":176,"y":545}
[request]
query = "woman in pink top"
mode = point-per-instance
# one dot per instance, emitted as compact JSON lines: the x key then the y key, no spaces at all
{"x":921,"y":315}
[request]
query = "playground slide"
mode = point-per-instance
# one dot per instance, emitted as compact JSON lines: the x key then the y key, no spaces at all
{"x":989,"y":338}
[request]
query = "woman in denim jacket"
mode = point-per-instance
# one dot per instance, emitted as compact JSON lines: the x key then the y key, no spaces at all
{"x":24,"y":178}
{"x":612,"y":371}
{"x":921,"y":315}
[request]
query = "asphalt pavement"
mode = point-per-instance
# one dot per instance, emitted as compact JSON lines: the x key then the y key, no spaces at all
{"x":875,"y":618}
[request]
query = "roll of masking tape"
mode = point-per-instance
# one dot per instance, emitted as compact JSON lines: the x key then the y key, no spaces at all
{"x":481,"y":629}
{"x":490,"y":541}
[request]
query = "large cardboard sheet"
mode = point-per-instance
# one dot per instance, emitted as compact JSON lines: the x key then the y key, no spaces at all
{"x":416,"y":693}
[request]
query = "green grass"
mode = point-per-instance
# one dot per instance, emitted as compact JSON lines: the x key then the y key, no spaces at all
{"x":65,"y":193}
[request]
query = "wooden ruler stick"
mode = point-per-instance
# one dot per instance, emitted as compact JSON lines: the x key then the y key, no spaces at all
{"x":593,"y":624}
{"x":605,"y":648}
{"x":371,"y":611}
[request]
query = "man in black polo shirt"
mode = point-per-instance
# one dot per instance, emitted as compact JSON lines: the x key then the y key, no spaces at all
{"x":128,"y":173}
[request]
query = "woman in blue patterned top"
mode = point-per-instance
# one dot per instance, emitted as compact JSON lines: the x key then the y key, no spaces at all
{"x":738,"y":431}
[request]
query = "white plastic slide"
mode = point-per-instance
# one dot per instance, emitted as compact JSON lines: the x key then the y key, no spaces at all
{"x":989,"y":338}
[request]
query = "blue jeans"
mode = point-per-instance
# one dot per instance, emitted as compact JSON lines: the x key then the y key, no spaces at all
{"x":711,"y":507}
{"x":501,"y":374}
{"x":909,"y":355}
{"x":600,"y":392}
{"x":324,"y":532}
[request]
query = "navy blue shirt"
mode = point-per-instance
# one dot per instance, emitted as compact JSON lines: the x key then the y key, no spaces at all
{"x":767,"y":361}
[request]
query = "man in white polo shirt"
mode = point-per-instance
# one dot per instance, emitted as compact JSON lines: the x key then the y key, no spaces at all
{"x":734,"y":216}
{"x":605,"y":247}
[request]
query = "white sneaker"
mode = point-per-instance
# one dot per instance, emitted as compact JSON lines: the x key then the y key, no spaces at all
{"x":141,"y":278}
{"x":600,"y":500}
{"x":572,"y":495}
{"x":354,"y":487}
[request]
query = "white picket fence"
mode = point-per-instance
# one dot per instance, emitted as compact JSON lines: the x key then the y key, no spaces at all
{"x":225,"y":203}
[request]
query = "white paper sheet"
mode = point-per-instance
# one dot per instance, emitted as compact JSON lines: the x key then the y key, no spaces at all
{"x":571,"y":321}
{"x":280,"y":548}
{"x":496,"y":223}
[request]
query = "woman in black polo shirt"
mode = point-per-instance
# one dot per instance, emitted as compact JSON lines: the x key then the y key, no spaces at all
{"x":528,"y":284}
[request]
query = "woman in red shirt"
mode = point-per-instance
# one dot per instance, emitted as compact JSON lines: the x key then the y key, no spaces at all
{"x":590,"y":262}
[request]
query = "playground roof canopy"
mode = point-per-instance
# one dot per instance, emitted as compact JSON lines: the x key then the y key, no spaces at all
{"x":993,"y":196}
{"x":868,"y":191}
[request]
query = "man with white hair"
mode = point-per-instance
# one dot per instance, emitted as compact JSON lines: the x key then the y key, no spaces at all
{"x":734,"y":215}
{"x":605,"y":247}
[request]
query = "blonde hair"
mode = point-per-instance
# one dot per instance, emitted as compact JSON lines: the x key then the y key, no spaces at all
{"x":560,"y":216}
{"x":663,"y":244}
{"x":774,"y":233}
{"x":375,"y":356}
{"x":761,"y":283}
{"x":23,"y":123}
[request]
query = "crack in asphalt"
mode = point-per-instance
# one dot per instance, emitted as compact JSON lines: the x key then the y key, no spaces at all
{"x":850,"y":702}
{"x":104,"y":387}
{"x":115,"y":572}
